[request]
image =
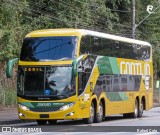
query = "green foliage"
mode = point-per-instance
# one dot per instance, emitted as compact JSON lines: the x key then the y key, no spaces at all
{"x":19,"y":17}
{"x":149,"y":29}
{"x":12,"y":31}
{"x":8,"y":97}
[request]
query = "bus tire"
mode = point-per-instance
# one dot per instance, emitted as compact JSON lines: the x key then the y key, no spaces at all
{"x":100,"y":114}
{"x":41,"y":122}
{"x":136,"y":110}
{"x":92,"y":115}
{"x":141,"y":109}
{"x":126,"y":115}
{"x":52,"y":122}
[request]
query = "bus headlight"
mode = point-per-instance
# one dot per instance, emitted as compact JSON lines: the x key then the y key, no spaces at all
{"x":65,"y":107}
{"x":23,"y":107}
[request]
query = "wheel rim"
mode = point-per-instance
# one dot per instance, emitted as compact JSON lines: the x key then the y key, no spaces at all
{"x":141,"y":108}
{"x":100,"y":112}
{"x":136,"y":109}
{"x":91,"y":113}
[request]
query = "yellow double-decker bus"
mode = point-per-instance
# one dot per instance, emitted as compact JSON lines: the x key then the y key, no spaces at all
{"x":80,"y":74}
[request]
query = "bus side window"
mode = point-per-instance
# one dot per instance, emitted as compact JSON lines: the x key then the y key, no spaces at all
{"x":145,"y":53}
{"x":107,"y":47}
{"x":117,"y":49}
{"x":85,"y":46}
{"x":97,"y":46}
{"x":82,"y":81}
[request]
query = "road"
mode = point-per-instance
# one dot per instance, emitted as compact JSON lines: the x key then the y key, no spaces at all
{"x":149,"y":124}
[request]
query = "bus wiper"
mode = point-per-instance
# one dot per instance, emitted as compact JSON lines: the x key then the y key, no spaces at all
{"x":65,"y":58}
{"x":64,"y":95}
{"x":53,"y":48}
{"x":43,"y":96}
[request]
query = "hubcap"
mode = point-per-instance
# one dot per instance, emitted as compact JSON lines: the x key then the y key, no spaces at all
{"x":91,"y":113}
{"x":136,"y":109}
{"x":141,"y":107}
{"x":100,"y":112}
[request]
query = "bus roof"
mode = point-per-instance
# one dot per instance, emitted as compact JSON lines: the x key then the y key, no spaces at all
{"x":81,"y":32}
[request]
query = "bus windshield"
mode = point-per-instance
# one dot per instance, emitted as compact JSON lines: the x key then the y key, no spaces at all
{"x":48,"y":48}
{"x":53,"y":82}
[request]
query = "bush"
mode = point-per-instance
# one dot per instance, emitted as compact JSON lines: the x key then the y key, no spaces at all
{"x":8,"y":97}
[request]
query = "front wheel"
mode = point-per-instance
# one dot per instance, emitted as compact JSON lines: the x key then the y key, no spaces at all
{"x":127,"y":115}
{"x":41,"y":122}
{"x":52,"y":122}
{"x":92,"y":115}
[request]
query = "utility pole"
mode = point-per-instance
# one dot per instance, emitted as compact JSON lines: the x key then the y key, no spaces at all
{"x":133,"y":24}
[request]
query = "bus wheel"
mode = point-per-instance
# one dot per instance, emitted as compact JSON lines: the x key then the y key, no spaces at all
{"x":52,"y":122}
{"x":41,"y":122}
{"x":100,"y":113}
{"x":136,"y":110}
{"x":92,"y":115}
{"x":127,"y":115}
{"x":141,"y":109}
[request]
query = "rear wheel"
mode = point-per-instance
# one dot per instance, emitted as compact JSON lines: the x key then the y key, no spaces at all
{"x":52,"y":122}
{"x":141,"y":109}
{"x":100,"y":113}
{"x":136,"y":110}
{"x":92,"y":115}
{"x":41,"y":122}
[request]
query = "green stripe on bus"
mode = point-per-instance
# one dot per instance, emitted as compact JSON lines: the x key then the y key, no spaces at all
{"x":114,"y":65}
{"x":108,"y":65}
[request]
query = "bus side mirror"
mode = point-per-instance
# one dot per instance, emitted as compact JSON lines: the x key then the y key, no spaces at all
{"x":74,"y":68}
{"x":9,"y":68}
{"x":75,"y":65}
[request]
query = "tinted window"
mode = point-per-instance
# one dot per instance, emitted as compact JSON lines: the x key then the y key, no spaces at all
{"x":85,"y":45}
{"x":82,"y":81}
{"x":111,"y":83}
{"x":107,"y":47}
{"x":46,"y":81}
{"x":48,"y":48}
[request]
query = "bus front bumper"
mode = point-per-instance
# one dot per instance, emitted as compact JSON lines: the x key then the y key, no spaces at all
{"x":70,"y":113}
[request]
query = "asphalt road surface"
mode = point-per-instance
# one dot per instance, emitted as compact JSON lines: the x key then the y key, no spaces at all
{"x":149,"y":124}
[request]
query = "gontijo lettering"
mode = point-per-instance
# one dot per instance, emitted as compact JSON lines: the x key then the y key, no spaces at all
{"x":135,"y":68}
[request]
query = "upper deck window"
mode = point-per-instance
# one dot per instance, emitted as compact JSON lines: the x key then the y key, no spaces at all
{"x":112,"y":48}
{"x":49,"y":48}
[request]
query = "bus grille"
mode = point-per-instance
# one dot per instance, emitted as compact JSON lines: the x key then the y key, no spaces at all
{"x":45,"y":109}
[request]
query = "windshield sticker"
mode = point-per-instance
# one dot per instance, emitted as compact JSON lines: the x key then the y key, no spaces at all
{"x":47,"y":92}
